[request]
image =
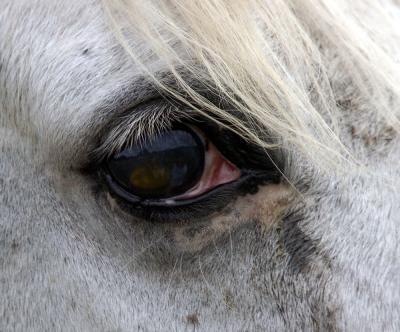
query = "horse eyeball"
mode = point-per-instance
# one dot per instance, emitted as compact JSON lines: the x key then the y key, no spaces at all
{"x":167,"y":166}
{"x":178,"y":165}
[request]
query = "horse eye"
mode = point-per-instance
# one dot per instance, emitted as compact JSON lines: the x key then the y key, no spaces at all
{"x":176,"y":165}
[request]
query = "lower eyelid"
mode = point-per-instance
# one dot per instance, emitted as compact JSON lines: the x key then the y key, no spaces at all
{"x":165,"y":211}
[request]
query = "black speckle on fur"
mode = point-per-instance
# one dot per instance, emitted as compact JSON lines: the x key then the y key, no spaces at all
{"x":193,"y":319}
{"x":14,"y":245}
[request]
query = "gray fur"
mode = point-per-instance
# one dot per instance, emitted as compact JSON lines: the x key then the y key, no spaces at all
{"x":71,"y":259}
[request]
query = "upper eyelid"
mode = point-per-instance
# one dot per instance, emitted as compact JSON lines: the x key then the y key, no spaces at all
{"x":134,"y":126}
{"x":131,"y":122}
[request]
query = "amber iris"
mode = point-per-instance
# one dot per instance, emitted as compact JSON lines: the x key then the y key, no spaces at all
{"x":167,"y":166}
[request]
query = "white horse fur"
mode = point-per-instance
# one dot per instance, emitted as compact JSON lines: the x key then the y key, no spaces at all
{"x":319,"y":251}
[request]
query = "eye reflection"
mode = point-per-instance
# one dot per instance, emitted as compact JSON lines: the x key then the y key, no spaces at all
{"x":164,"y":167}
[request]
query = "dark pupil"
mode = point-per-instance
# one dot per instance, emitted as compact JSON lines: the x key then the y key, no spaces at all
{"x":165,"y":167}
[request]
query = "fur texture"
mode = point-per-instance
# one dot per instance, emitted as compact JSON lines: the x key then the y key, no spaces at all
{"x":322,"y":257}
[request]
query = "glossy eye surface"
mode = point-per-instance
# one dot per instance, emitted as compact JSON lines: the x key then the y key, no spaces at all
{"x":176,"y":166}
{"x":164,"y":167}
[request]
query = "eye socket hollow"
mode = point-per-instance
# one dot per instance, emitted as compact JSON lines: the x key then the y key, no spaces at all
{"x":164,"y":167}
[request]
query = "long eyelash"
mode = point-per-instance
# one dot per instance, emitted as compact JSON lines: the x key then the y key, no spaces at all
{"x":137,"y":126}
{"x":134,"y":127}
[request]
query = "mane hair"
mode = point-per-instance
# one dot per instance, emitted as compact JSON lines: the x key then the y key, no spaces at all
{"x":268,"y":60}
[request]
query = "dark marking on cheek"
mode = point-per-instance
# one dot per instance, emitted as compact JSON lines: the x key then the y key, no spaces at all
{"x":302,"y":249}
{"x":298,"y":245}
{"x":85,"y":51}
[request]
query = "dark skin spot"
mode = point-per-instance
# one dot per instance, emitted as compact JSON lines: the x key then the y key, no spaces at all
{"x":85,"y":51}
{"x":193,"y":231}
{"x":353,"y":131}
{"x":387,"y":134}
{"x":73,"y":304}
{"x":345,"y":104}
{"x":193,"y":319}
{"x":14,"y":245}
{"x":228,"y":299}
